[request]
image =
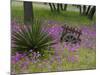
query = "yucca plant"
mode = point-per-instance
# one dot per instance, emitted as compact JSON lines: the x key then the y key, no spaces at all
{"x":31,"y":37}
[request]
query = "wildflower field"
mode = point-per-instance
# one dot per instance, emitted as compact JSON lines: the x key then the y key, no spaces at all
{"x":62,"y":41}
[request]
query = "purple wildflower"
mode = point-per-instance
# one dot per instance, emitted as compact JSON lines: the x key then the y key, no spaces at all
{"x":55,"y":32}
{"x":71,"y":58}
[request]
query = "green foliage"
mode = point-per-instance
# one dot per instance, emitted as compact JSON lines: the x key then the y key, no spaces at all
{"x":31,"y":37}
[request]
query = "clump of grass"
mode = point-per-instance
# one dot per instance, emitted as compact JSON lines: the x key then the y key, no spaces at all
{"x":31,"y":37}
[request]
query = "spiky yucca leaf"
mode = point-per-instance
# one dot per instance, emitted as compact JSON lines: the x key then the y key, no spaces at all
{"x":31,"y":38}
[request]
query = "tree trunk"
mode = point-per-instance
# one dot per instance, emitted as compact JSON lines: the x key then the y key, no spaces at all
{"x":61,"y":6}
{"x":51,"y":6}
{"x":92,"y":12}
{"x":80,"y":8}
{"x":84,"y":9}
{"x":28,"y":12}
{"x":65,"y":7}
{"x":58,"y":8}
{"x":88,"y":10}
{"x":54,"y":7}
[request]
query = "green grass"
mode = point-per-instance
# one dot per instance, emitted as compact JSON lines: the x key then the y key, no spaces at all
{"x":87,"y":60}
{"x":40,"y":11}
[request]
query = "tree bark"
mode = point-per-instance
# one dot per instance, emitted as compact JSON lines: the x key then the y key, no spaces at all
{"x":88,"y":9}
{"x":61,"y":6}
{"x":84,"y":9}
{"x":80,"y":8}
{"x":51,"y":6}
{"x":92,"y":12}
{"x":58,"y":7}
{"x":65,"y":7}
{"x":54,"y":7}
{"x":28,"y":12}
